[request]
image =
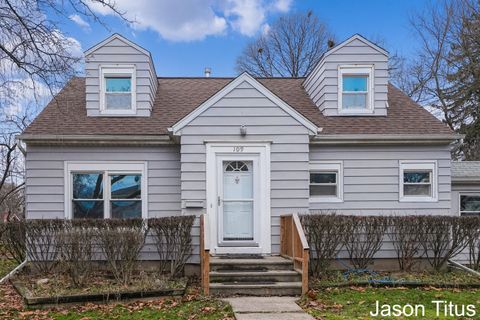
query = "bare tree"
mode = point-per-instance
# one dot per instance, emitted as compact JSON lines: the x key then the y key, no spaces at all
{"x":289,"y":48}
{"x":36,"y":59}
{"x":33,"y":52}
{"x":444,"y":75}
{"x":464,"y":90}
{"x":11,"y":165}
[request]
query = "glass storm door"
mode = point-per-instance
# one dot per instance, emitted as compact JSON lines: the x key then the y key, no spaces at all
{"x":237,"y":197}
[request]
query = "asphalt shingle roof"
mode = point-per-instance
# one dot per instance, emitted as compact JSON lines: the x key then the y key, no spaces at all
{"x":177,"y":97}
{"x":466,"y":170}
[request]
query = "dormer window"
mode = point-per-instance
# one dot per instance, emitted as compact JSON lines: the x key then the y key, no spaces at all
{"x":117,"y":95}
{"x":355,"y":90}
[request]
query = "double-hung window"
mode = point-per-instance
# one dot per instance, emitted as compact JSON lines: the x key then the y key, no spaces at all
{"x":118,"y":90}
{"x":106,"y":190}
{"x":470,"y":204}
{"x":418,"y":181}
{"x":326,"y":182}
{"x":355,"y":90}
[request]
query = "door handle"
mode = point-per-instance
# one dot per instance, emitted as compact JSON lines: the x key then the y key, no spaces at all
{"x":219,"y":201}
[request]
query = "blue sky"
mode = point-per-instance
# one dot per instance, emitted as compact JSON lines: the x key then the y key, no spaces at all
{"x":185,"y":36}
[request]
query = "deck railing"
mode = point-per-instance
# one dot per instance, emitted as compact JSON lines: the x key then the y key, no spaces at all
{"x":294,"y":245}
{"x":204,"y":254}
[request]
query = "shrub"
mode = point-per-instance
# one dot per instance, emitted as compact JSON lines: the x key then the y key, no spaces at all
{"x":41,"y":242}
{"x":13,"y":240}
{"x":76,"y":245}
{"x":364,"y":238}
{"x":443,"y":237}
{"x":173,"y":239}
{"x":405,"y":234}
{"x":326,"y":235}
{"x":121,"y":241}
{"x":473,"y":241}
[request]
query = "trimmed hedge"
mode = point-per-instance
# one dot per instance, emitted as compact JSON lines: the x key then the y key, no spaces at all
{"x":70,"y":246}
{"x":434,"y":238}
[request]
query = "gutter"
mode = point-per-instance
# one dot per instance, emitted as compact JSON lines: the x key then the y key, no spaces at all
{"x":384,"y":139}
{"x":466,"y":180}
{"x":97,"y":139}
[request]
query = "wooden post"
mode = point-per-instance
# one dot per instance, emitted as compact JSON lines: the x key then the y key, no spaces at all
{"x":206,"y":273}
{"x":306,"y":258}
{"x":204,"y":259}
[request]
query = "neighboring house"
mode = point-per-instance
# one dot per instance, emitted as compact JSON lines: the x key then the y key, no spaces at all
{"x":466,"y":188}
{"x":122,"y":142}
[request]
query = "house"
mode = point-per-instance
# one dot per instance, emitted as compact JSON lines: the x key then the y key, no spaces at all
{"x":122,"y":142}
{"x":466,"y":187}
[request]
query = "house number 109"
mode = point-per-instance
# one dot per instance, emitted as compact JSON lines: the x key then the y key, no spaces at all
{"x":237,"y":149}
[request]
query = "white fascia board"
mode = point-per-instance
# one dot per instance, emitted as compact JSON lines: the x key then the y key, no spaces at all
{"x":244,"y":77}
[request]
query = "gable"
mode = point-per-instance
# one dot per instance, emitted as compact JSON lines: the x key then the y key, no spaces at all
{"x":245,"y":86}
{"x":357,"y":41}
{"x":355,"y":55}
{"x":117,"y":40}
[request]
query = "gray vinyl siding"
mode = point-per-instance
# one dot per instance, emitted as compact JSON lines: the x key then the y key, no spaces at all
{"x":45,"y":180}
{"x":322,"y":83}
{"x":265,"y":121}
{"x":118,"y":52}
{"x":371,"y":178}
{"x":371,"y":183}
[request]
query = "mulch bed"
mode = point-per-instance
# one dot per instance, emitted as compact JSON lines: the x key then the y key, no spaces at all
{"x":56,"y":289}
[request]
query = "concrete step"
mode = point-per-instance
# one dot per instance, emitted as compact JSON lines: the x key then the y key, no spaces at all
{"x":254,"y":276}
{"x":257,"y":289}
{"x":250,"y":264}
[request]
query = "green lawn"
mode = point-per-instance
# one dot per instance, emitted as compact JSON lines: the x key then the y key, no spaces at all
{"x":171,"y":309}
{"x":358,"y":302}
{"x":191,"y":306}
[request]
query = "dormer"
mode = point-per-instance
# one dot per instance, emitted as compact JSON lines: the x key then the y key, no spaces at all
{"x":351,"y":79}
{"x":120,"y":79}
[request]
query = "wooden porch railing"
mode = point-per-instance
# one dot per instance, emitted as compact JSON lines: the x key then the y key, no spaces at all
{"x":294,"y":245}
{"x":204,"y":254}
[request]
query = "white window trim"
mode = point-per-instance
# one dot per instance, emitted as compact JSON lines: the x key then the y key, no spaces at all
{"x":118,"y":70}
{"x":460,"y":194}
{"x":357,"y":70}
{"x":419,"y":165}
{"x":320,"y":166}
{"x":108,"y":168}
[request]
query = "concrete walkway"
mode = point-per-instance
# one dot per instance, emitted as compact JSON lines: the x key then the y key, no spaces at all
{"x":267,"y":308}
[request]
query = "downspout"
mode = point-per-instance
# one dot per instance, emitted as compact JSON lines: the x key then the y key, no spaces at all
{"x":464,"y":268}
{"x":12,"y":273}
{"x":21,"y":147}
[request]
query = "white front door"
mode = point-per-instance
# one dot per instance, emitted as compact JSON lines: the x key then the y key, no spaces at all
{"x":238,"y":198}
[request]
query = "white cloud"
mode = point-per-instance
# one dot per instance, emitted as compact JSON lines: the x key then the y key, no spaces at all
{"x":190,"y":20}
{"x":282,"y":5}
{"x":176,"y":20}
{"x":246,"y":15}
{"x":80,"y":22}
